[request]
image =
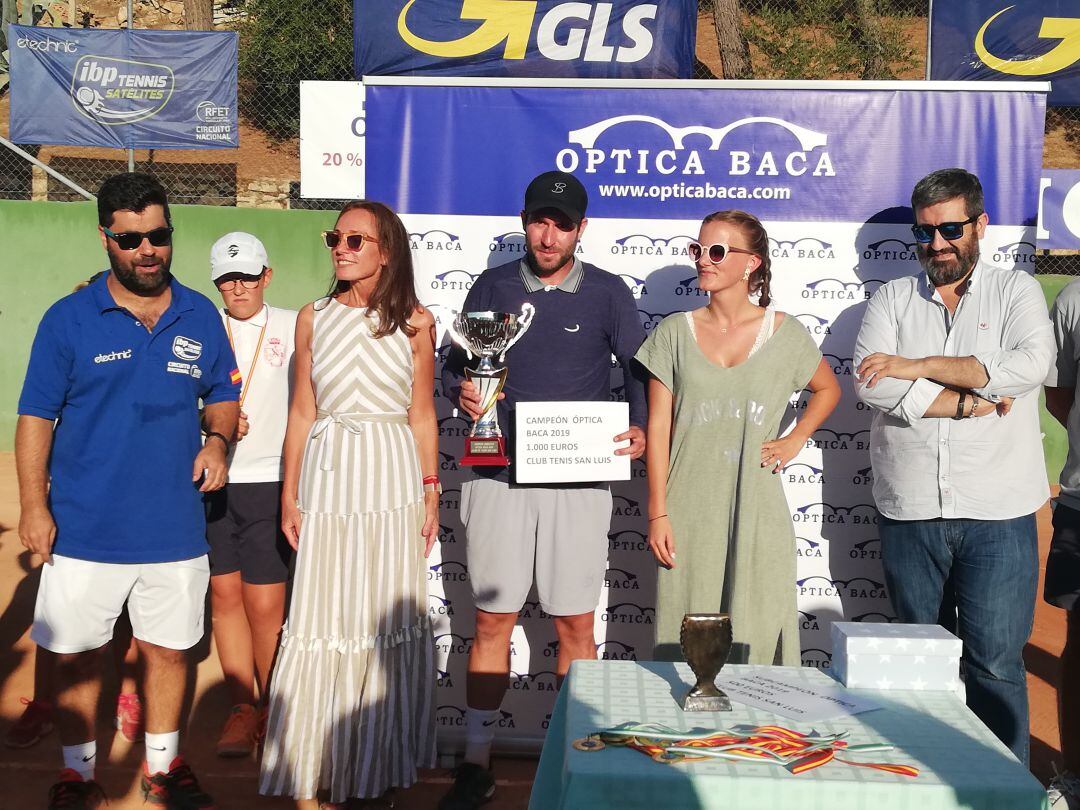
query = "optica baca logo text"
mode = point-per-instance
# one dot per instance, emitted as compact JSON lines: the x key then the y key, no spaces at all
{"x":816,"y":657}
{"x":451,"y":499}
{"x":841,"y":366}
{"x":829,"y":439}
{"x":511,"y":243}
{"x":619,"y":579}
{"x":808,"y":621}
{"x":650,"y":320}
{"x":447,"y":461}
{"x":863,"y":477}
{"x":638,"y":244}
{"x":866,"y":550}
{"x":805,"y":248}
{"x":874,"y":617}
{"x":453,"y":644}
{"x":635,"y":285}
{"x":835,"y":289}
{"x":628,"y":613}
{"x":449,"y":571}
{"x":542,"y":681}
{"x":891,"y":250}
{"x":447,"y":535}
{"x":821,"y":513}
{"x":689,"y":287}
{"x":802,"y":473}
{"x":120,"y":91}
{"x":435,"y":240}
{"x":628,"y":540}
{"x":46,"y":44}
{"x":444,"y":679}
{"x":453,"y":426}
{"x":625,"y":507}
{"x":1015,"y":253}
{"x":855,"y":588}
{"x":532,"y":610}
{"x":439,"y":606}
{"x":611,"y":650}
{"x":644,"y":144}
{"x":459,"y":280}
{"x":815,"y":324}
{"x":565,"y":32}
{"x":805,"y":547}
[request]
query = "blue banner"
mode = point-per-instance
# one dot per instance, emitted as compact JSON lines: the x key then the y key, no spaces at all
{"x":123,"y":89}
{"x":1037,"y":40}
{"x":669,"y":153}
{"x":1059,"y":215}
{"x":540,"y":38}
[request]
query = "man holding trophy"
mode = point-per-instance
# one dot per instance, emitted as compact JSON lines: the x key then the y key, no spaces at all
{"x":557,"y":322}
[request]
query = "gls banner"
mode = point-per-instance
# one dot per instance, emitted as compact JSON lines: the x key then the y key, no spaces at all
{"x":994,"y":40}
{"x":124,"y":89}
{"x":540,"y":38}
{"x":670,"y":153}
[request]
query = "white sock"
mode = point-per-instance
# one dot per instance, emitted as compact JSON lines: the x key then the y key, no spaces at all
{"x":161,"y":750}
{"x":81,"y":758}
{"x":479,"y":732}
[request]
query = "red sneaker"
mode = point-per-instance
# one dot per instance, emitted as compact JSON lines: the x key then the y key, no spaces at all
{"x":129,"y":716}
{"x":71,"y":792}
{"x":35,"y":722}
{"x":176,"y":790}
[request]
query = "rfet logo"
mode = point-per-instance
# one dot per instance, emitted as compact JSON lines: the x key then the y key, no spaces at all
{"x":648,"y":145}
{"x":114,"y":91}
{"x":563,"y":33}
{"x":1063,"y":55}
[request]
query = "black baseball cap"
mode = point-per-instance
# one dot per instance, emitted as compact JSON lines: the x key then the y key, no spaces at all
{"x":558,"y":190}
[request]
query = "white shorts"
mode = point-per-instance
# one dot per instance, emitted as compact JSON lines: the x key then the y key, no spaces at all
{"x":78,"y":602}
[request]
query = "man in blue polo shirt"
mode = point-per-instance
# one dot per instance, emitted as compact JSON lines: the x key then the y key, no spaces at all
{"x":555,"y":534}
{"x":111,"y":470}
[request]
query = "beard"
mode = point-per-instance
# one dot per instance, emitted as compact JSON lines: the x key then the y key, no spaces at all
{"x":140,"y":283}
{"x":950,"y":265}
{"x":549,"y":265}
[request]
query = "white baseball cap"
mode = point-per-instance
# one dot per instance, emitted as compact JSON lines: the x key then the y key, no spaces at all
{"x":237,"y":252}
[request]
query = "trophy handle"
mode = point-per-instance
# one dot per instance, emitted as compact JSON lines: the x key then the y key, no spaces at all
{"x":525,"y":321}
{"x":456,"y":336}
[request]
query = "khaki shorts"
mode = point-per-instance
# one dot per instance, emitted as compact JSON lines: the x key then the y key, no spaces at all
{"x":78,"y":602}
{"x":557,"y":534}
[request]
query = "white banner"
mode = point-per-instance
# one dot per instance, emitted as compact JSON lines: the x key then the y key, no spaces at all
{"x":332,"y":148}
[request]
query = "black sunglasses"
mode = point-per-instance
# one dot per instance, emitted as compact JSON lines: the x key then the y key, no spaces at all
{"x":924,"y":234}
{"x":129,"y":240}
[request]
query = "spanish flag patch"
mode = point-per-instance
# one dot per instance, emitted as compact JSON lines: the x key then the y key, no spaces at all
{"x":234,"y":376}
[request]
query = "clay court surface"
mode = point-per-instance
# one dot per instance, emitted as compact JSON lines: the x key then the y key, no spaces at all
{"x":25,"y":776}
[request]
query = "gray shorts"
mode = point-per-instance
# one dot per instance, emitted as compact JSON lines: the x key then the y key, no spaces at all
{"x":560,"y":533}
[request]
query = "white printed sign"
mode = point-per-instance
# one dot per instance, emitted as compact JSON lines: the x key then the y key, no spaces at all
{"x":768,"y":688}
{"x":332,"y":152}
{"x":570,"y":441}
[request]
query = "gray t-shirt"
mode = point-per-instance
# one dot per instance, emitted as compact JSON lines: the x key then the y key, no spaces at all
{"x":1064,"y":374}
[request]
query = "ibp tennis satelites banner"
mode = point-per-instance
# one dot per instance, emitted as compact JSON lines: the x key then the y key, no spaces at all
{"x":543,"y":38}
{"x":996,"y":40}
{"x":828,"y":167}
{"x":123,"y":89}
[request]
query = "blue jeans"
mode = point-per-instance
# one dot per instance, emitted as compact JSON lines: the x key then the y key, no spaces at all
{"x":994,"y":566}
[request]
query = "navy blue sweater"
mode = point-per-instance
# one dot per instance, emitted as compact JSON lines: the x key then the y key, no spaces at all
{"x":566,"y":353}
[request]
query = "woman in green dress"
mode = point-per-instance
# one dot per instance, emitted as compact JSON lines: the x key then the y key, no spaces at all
{"x":721,"y":379}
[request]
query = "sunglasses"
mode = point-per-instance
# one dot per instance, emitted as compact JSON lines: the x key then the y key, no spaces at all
{"x":130,"y":240}
{"x":248,"y":283}
{"x":924,"y":234}
{"x":716,"y":253}
{"x":354,"y":240}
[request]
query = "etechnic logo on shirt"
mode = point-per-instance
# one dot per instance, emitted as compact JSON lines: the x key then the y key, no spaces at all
{"x":124,"y":354}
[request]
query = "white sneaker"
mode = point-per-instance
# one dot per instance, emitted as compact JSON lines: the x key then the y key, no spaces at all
{"x":1064,"y":791}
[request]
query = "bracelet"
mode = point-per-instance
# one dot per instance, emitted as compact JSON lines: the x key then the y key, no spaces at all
{"x":960,"y":405}
{"x":431,"y":479}
{"x":657,"y":517}
{"x":433,"y":487}
{"x":211,"y":434}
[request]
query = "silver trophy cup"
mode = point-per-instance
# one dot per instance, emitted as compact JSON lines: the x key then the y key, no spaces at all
{"x":487,"y":334}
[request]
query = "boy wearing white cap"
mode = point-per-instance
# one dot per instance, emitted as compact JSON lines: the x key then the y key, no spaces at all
{"x":249,"y":556}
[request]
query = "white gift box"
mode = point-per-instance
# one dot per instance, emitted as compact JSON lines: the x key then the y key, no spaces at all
{"x":871,"y":655}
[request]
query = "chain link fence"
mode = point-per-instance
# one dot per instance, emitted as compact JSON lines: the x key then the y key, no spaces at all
{"x":283,"y":42}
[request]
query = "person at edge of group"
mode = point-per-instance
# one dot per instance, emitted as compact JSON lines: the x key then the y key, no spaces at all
{"x":583,"y":316}
{"x":352,"y":700}
{"x":37,"y":718}
{"x":109,"y":414}
{"x":951,"y":361}
{"x":721,"y":382}
{"x":249,"y":555}
{"x":1062,"y":586}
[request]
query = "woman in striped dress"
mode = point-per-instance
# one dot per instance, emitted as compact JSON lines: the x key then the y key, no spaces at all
{"x":352,"y":709}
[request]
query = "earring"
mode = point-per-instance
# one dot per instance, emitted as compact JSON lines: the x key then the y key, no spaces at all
{"x":746,"y":275}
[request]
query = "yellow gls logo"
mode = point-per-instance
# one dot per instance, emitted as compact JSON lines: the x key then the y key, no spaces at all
{"x":1066,"y":53}
{"x":503,"y":19}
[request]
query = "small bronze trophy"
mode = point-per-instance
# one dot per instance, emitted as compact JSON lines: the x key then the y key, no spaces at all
{"x":706,"y":643}
{"x":488,"y":334}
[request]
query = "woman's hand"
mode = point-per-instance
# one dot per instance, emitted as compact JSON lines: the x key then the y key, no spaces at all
{"x":430,"y":532}
{"x":662,"y":541}
{"x":290,"y":521}
{"x":779,"y":452}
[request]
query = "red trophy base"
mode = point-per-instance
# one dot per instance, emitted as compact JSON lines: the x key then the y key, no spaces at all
{"x":485,"y":452}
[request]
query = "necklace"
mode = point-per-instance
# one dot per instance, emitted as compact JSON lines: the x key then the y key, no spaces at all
{"x":245,"y":386}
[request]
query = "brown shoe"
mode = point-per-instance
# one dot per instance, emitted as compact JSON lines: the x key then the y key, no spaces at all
{"x":35,"y":722}
{"x":241,"y":732}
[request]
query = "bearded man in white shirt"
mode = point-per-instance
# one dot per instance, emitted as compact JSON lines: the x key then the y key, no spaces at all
{"x":951,"y":361}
